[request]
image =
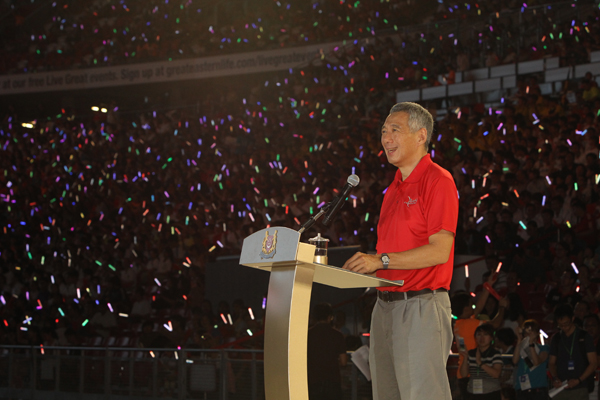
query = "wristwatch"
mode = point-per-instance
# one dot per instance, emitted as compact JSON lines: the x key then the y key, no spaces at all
{"x":385,"y":259}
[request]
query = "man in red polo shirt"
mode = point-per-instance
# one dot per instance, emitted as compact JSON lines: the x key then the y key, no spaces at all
{"x":411,"y":331}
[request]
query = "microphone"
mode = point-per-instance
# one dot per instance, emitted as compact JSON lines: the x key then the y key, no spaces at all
{"x":338,"y":202}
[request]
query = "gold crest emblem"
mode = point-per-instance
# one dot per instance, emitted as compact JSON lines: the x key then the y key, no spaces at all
{"x":268,"y":245}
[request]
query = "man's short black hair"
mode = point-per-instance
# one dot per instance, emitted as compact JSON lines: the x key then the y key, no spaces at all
{"x":485,"y":328}
{"x":563,"y":310}
{"x":322,"y":311}
{"x":506,"y":336}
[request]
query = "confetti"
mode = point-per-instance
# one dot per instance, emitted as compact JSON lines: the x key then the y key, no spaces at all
{"x":206,"y":161}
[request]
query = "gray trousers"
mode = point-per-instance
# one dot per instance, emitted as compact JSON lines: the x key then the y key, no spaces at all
{"x":409,"y":346}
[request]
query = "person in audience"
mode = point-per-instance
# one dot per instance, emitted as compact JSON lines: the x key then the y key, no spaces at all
{"x":573,"y":360}
{"x":515,"y":313}
{"x":591,"y":324}
{"x":566,"y":292}
{"x":580,"y":311}
{"x":531,"y":361}
{"x":92,"y":210}
{"x":103,"y":321}
{"x":504,"y":340}
{"x":466,"y":322}
{"x":326,"y":354}
{"x":483,"y":366}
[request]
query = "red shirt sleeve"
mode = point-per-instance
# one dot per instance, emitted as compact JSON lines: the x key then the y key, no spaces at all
{"x":442,"y":206}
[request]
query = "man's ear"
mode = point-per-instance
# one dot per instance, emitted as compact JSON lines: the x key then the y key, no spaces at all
{"x":422,"y":134}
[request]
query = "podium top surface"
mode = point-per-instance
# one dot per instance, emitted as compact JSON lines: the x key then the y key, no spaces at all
{"x":344,"y":279}
{"x":278,"y":247}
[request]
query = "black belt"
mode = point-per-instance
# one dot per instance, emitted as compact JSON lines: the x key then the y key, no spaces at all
{"x":395,"y":296}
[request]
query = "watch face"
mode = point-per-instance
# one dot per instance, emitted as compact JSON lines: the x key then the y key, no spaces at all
{"x":385,"y":259}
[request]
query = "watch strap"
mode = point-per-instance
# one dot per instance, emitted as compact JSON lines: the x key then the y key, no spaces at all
{"x":385,"y":260}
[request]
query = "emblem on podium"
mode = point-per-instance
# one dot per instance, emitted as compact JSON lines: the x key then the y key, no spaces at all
{"x":268,"y":245}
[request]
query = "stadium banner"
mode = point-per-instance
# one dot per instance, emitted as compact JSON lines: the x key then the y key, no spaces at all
{"x":169,"y":71}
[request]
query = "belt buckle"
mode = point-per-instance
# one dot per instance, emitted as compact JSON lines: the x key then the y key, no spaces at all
{"x":386,"y":296}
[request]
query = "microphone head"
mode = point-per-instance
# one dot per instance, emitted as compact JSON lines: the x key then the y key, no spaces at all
{"x":353,"y":180}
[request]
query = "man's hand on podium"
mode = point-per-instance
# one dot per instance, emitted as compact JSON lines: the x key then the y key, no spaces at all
{"x":363,"y":263}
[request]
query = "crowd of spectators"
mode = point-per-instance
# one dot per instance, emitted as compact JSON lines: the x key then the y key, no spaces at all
{"x":454,"y":36}
{"x":109,"y":219}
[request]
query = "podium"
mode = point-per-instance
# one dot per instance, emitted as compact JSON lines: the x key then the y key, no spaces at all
{"x":293,"y":271}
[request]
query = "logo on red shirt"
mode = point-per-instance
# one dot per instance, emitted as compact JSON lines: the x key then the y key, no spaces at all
{"x":410,"y":202}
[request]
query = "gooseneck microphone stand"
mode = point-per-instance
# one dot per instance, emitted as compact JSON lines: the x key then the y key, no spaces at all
{"x":315,"y":217}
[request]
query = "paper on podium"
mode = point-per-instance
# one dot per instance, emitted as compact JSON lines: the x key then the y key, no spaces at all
{"x":360,"y":358}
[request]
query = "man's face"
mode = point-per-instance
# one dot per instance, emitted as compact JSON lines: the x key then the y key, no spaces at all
{"x":566,"y":280}
{"x":590,"y":325}
{"x":581,"y":310}
{"x":564,"y":324}
{"x":483,"y":339}
{"x":401,"y":146}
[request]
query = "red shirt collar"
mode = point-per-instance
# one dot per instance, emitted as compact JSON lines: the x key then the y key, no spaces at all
{"x":416,"y":173}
